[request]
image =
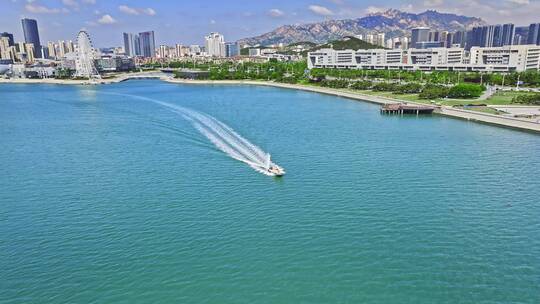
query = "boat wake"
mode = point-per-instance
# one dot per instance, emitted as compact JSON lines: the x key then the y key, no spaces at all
{"x":223,"y":137}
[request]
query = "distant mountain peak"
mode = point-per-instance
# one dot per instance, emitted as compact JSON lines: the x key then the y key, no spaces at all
{"x":393,"y":22}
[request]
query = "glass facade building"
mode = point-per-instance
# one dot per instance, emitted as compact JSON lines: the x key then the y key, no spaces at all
{"x":31,"y":35}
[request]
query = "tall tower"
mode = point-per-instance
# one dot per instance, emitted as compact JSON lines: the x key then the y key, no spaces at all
{"x":84,"y":62}
{"x":215,"y":45}
{"x":31,"y":34}
{"x":147,"y":44}
{"x":419,"y":34}
{"x":534,"y":34}
{"x":129,"y":44}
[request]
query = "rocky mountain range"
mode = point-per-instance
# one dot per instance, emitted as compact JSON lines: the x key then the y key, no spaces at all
{"x":391,"y":22}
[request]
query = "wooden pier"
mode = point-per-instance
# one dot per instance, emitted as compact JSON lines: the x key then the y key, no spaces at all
{"x":403,"y":108}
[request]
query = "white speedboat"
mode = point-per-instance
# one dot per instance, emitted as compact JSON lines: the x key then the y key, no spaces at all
{"x":276,"y":170}
{"x":273,"y":169}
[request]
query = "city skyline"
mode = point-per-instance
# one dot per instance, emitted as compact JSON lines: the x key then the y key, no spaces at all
{"x":189,"y":22}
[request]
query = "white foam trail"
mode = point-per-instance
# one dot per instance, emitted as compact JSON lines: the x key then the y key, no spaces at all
{"x":221,"y":135}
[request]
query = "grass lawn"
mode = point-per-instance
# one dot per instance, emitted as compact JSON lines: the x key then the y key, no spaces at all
{"x":504,"y":98}
{"x":499,"y":98}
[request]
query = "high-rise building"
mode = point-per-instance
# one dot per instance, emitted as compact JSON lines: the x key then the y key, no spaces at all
{"x":31,"y":35}
{"x":492,"y":35}
{"x":508,"y":33}
{"x":4,"y":48}
{"x":137,"y":45}
{"x":52,"y":50}
{"x":181,"y":51}
{"x":418,"y":35}
{"x":215,"y":45}
{"x":147,"y":44}
{"x":7,"y":52}
{"x":522,"y":35}
{"x":163,"y":51}
{"x":195,"y":49}
{"x":458,"y":38}
{"x":129,"y":44}
{"x":534,"y":34}
{"x":232,"y":49}
{"x":70,"y":47}
{"x":61,"y":47}
{"x":30,"y":51}
{"x":9,"y":36}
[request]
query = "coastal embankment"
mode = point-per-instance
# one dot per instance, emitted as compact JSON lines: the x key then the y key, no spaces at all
{"x":498,"y":120}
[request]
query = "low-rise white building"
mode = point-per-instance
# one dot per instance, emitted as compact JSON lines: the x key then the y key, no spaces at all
{"x":522,"y":57}
{"x":494,"y":59}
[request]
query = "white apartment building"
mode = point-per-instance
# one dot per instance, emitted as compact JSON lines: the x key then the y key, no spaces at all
{"x":522,"y":57}
{"x":494,"y":59}
{"x":215,"y":45}
{"x":435,"y":56}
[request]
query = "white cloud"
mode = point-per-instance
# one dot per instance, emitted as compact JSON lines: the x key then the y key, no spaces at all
{"x":41,"y":9}
{"x":212,"y":21}
{"x":71,"y":3}
{"x":136,"y":11}
{"x":320,"y":10}
{"x":431,"y":3}
{"x":276,"y":13}
{"x":89,"y":1}
{"x":128,"y":10}
{"x":374,"y":9}
{"x":106,"y":19}
{"x":149,"y":11}
{"x":521,"y":2}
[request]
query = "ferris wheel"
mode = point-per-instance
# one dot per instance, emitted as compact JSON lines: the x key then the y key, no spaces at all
{"x":84,"y":62}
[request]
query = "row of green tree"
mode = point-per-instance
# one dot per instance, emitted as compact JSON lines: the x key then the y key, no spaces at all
{"x":428,"y":91}
{"x":528,"y":78}
{"x":527,"y":99}
{"x":289,"y":72}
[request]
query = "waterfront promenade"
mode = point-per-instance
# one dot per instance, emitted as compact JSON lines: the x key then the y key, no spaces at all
{"x":475,"y":116}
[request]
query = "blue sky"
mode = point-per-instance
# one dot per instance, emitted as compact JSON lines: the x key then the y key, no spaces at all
{"x":188,"y":21}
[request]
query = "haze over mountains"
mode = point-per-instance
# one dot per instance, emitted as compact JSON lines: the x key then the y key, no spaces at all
{"x":392,"y":22}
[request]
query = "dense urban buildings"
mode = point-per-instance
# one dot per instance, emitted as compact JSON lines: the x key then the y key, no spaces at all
{"x":490,"y":48}
{"x":492,"y":36}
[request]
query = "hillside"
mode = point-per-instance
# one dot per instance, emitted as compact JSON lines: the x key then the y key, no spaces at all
{"x":392,"y":22}
{"x":347,"y":43}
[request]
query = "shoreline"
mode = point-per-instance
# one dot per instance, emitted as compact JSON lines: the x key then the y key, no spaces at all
{"x":474,"y":116}
{"x":468,"y":115}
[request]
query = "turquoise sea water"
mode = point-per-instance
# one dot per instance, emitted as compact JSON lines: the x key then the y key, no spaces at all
{"x":113,"y":199}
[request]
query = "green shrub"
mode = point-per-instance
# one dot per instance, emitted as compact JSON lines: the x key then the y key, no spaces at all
{"x":384,"y":87}
{"x":527,"y":99}
{"x":336,"y":84}
{"x":466,"y":90}
{"x":409,"y":88}
{"x":433,"y":92}
{"x":362,"y":85}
